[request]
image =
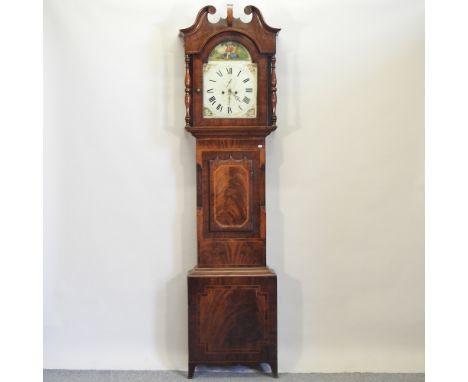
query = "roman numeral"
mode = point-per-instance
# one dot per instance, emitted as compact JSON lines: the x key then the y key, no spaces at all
{"x":248,"y":90}
{"x":246,"y":100}
{"x":240,"y":107}
{"x":212,"y":100}
{"x":212,"y":80}
{"x":240,"y":71}
{"x":219,"y":107}
{"x":246,"y":80}
{"x":219,"y":73}
{"x":229,"y":110}
{"x":229,"y":70}
{"x":210,"y":90}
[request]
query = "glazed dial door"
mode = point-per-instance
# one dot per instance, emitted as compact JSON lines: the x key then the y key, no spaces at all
{"x":229,"y":83}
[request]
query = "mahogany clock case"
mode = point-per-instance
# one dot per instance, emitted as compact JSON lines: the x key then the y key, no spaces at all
{"x":231,"y":292}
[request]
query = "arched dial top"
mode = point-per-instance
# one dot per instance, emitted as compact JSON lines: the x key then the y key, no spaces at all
{"x":229,"y":82}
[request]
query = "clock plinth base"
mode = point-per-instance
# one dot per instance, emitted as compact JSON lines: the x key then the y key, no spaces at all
{"x":232,"y":317}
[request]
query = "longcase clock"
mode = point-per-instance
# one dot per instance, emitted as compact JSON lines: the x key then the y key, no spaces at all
{"x":230,"y":107}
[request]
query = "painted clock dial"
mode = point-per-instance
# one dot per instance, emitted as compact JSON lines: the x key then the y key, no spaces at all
{"x":229,"y":83}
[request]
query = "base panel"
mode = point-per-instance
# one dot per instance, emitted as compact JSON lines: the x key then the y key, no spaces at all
{"x":232,"y":317}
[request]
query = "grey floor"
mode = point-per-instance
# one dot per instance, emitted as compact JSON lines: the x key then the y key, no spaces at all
{"x":224,"y":374}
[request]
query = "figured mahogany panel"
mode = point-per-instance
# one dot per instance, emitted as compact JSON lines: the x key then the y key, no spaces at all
{"x":232,"y":318}
{"x":232,"y":315}
{"x":231,"y":195}
{"x":229,"y":253}
{"x":231,"y":191}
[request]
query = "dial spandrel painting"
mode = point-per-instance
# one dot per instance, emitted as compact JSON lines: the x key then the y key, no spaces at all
{"x":229,"y":82}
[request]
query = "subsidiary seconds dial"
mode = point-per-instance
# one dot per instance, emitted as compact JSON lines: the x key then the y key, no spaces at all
{"x":230,"y":90}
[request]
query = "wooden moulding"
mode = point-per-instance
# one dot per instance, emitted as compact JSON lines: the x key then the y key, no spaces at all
{"x":234,"y":272}
{"x":198,"y":34}
{"x":231,"y":131}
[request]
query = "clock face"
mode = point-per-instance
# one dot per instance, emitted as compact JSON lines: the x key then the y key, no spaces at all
{"x":229,"y":83}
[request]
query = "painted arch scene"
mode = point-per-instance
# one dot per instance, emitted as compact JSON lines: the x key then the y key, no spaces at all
{"x":229,"y":51}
